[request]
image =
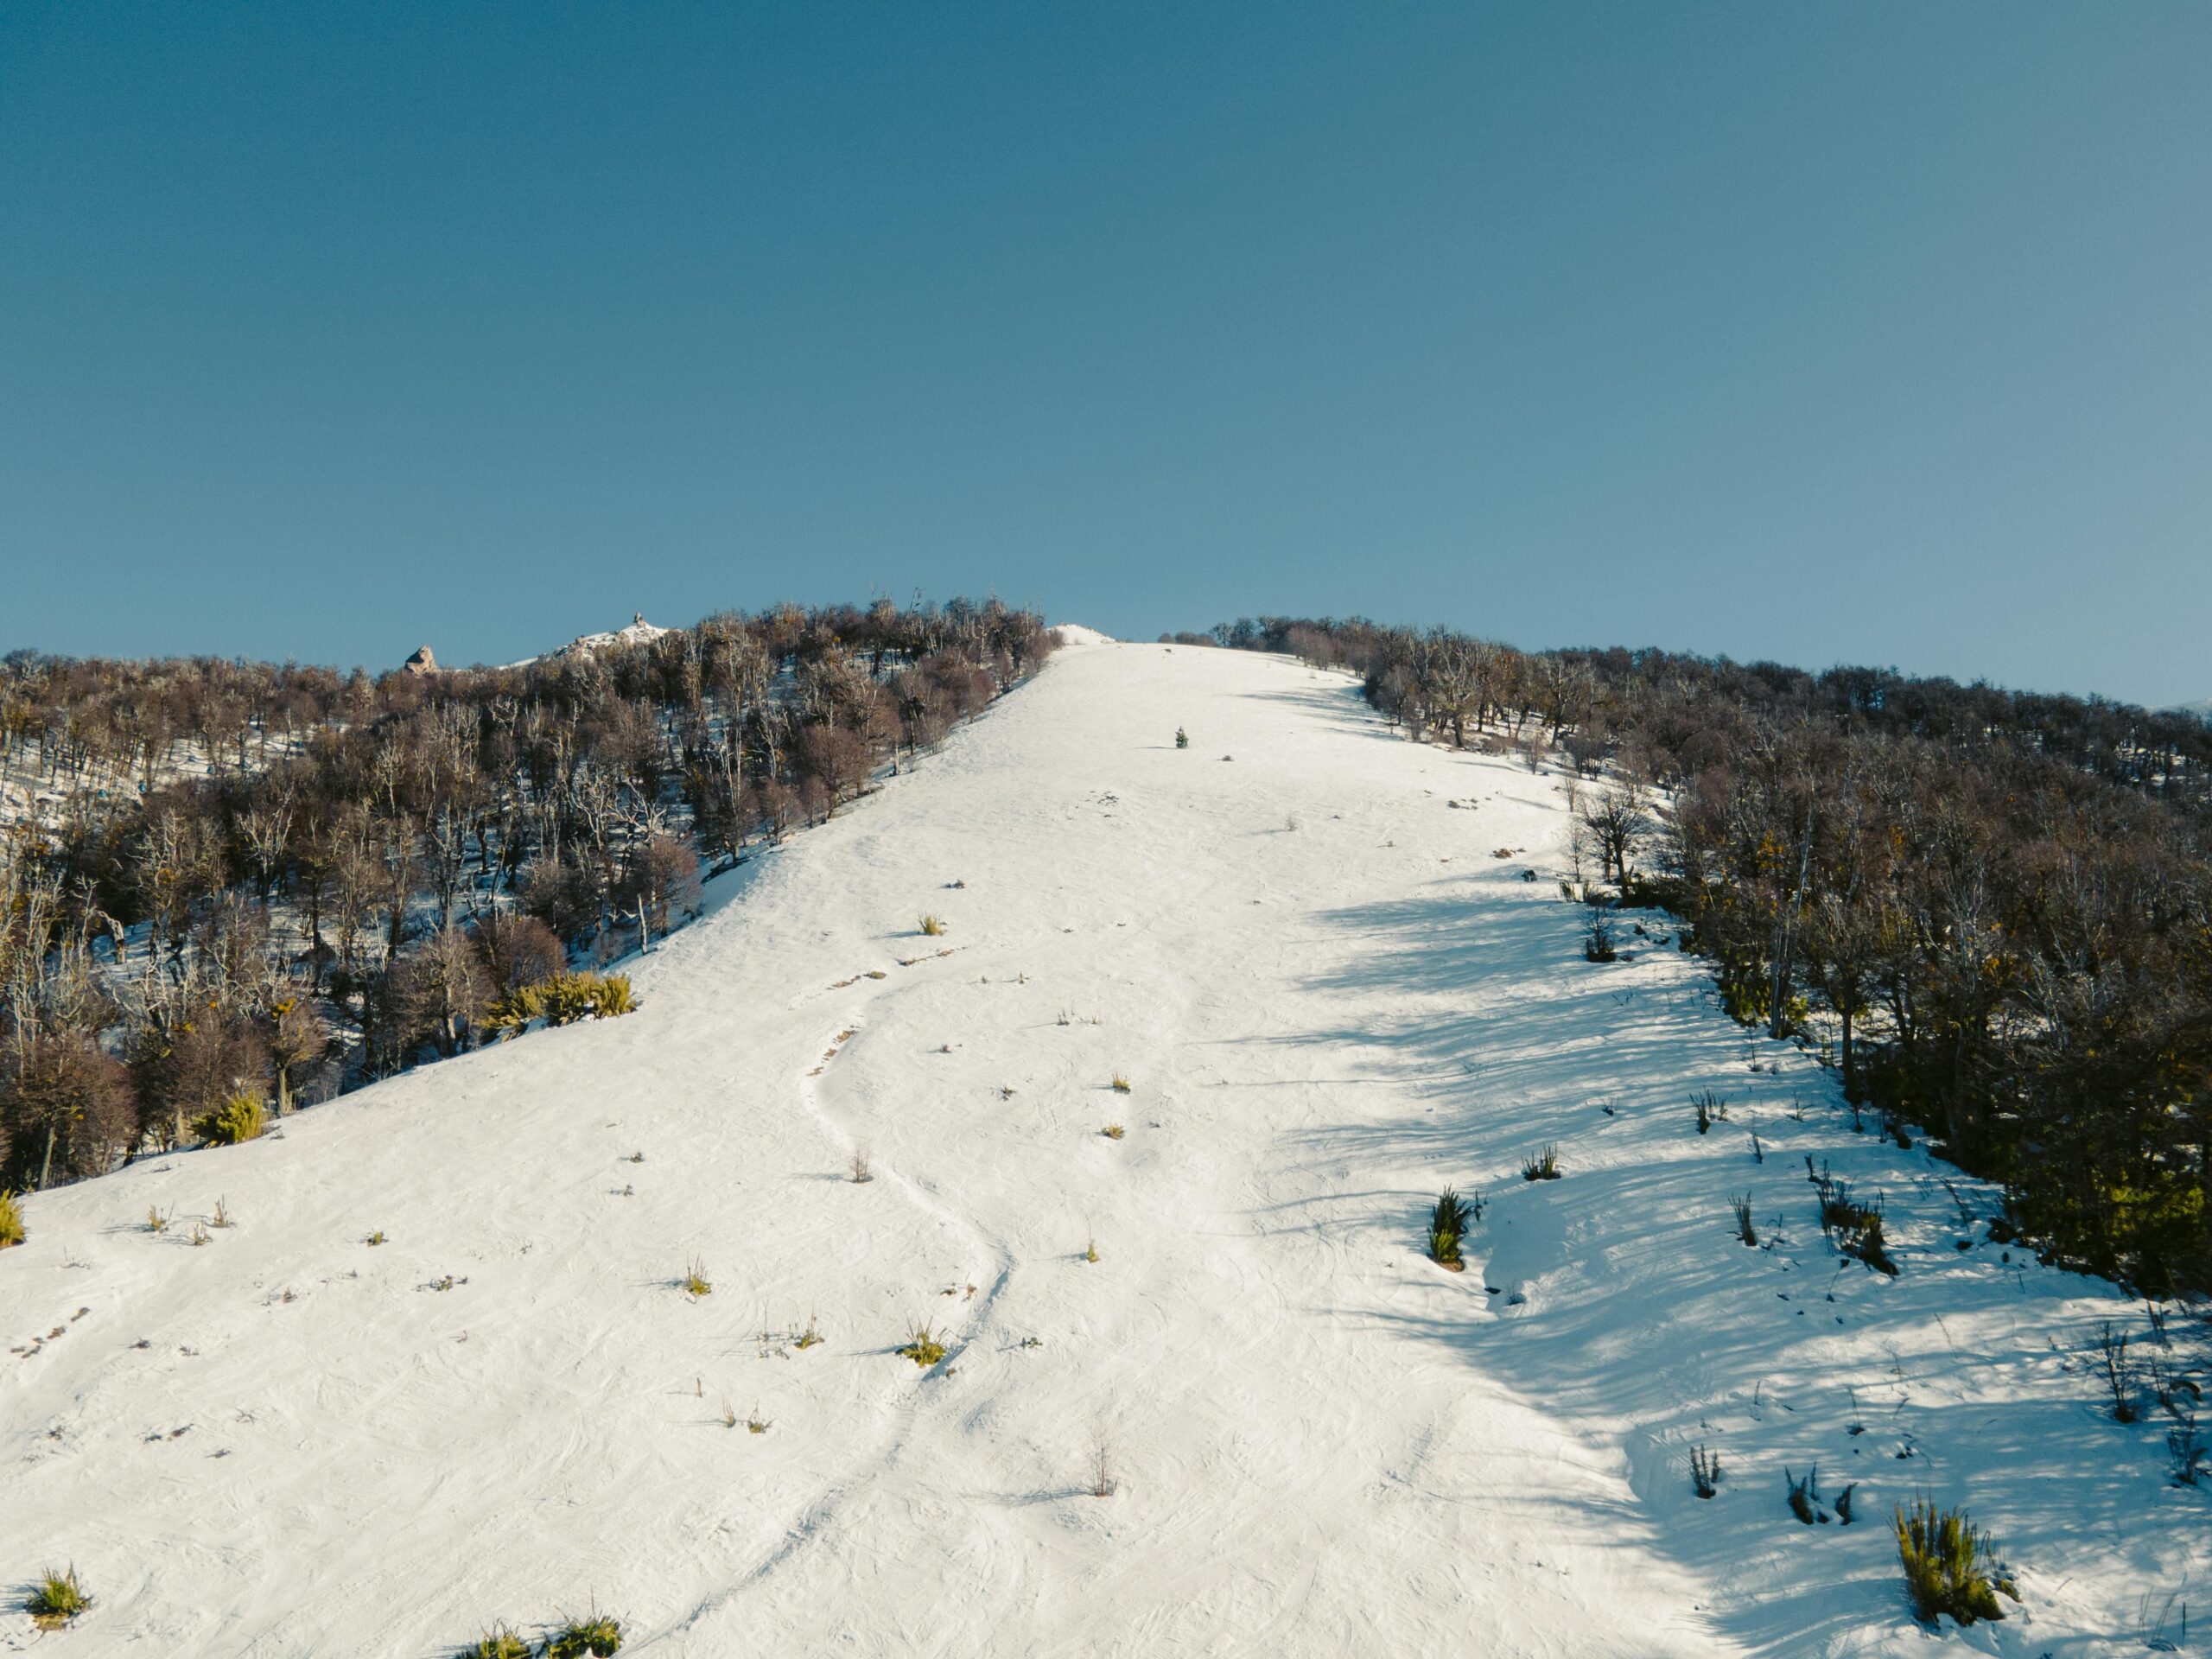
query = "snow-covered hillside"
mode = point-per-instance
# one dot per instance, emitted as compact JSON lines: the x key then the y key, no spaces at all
{"x":1329,"y":997}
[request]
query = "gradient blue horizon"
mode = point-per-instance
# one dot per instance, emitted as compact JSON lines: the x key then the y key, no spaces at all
{"x":1873,"y":333}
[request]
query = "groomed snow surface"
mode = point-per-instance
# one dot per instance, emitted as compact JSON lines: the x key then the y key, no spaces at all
{"x":1329,"y":1000}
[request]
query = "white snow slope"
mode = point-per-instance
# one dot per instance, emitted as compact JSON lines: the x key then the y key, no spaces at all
{"x":1330,"y":999}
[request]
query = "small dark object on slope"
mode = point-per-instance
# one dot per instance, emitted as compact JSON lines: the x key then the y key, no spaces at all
{"x":1805,"y":1495}
{"x":1705,"y":1471}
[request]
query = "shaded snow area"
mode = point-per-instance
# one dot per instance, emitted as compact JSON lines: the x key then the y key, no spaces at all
{"x":1328,"y":999}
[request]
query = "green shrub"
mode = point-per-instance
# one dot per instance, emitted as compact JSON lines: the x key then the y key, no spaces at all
{"x":1950,"y":1566}
{"x":598,"y":1635}
{"x":922,"y":1345}
{"x":11,"y":1220}
{"x":497,"y":1642}
{"x":57,"y":1598}
{"x":560,"y":1000}
{"x":239,"y":1118}
{"x":695,"y":1281}
{"x":2144,"y":1226}
{"x":1447,"y":1224}
{"x":1541,"y":1166}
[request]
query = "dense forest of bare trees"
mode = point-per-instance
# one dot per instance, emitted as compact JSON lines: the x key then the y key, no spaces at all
{"x":1993,"y":909}
{"x":224,"y":881}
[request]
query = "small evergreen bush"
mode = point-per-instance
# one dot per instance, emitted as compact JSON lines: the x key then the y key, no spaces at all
{"x":1598,"y":939}
{"x":1448,"y":1223}
{"x":11,"y":1220}
{"x":922,"y":1346}
{"x":497,"y":1642}
{"x":597,"y":1636}
{"x":562,"y":1001}
{"x":1950,"y":1566}
{"x":57,"y":1598}
{"x":1705,"y":1471}
{"x":236,"y":1120}
{"x":695,"y":1280}
{"x":1121,"y":1084}
{"x":1541,"y":1166}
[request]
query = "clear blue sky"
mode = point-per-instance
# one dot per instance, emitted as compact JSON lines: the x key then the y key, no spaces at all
{"x":1828,"y":332}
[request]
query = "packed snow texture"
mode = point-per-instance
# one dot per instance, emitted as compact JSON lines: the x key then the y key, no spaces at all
{"x":1329,"y":998}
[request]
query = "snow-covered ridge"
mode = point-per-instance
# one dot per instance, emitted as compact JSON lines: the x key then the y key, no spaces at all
{"x":1329,"y":997}
{"x":640,"y":633}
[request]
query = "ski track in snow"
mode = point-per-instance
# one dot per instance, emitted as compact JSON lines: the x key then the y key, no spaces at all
{"x":1331,"y":1001}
